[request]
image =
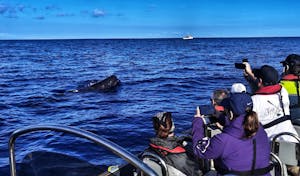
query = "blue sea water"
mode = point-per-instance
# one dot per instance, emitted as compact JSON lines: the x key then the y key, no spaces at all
{"x":156,"y":75}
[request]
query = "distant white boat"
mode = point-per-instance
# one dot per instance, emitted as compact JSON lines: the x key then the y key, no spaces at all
{"x":188,"y":37}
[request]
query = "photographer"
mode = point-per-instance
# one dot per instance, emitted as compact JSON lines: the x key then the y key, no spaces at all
{"x":270,"y":101}
{"x":218,"y":117}
{"x":242,"y":140}
{"x":290,"y":81}
{"x":218,"y":110}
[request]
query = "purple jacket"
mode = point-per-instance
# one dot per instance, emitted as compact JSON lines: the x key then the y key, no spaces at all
{"x":229,"y":149}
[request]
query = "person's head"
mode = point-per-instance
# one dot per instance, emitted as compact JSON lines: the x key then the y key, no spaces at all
{"x":250,"y":124}
{"x":292,"y":64}
{"x":266,"y":76}
{"x":163,"y":124}
{"x":241,"y":103}
{"x":217,"y":97}
{"x":237,"y":104}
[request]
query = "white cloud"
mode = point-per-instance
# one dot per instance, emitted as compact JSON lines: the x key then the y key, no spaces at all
{"x":98,"y":13}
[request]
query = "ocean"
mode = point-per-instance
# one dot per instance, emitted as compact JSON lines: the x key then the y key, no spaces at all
{"x":156,"y":75}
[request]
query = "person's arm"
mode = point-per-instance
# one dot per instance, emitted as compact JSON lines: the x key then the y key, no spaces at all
{"x":203,"y":146}
{"x":223,"y":120}
{"x":248,"y":74}
{"x":250,"y":77}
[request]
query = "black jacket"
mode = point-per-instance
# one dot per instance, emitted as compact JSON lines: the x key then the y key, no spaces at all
{"x":174,"y":154}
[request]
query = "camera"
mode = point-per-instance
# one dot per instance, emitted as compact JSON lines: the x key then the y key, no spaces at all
{"x":241,"y":65}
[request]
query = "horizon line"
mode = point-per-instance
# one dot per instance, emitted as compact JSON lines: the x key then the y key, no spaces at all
{"x":145,"y":38}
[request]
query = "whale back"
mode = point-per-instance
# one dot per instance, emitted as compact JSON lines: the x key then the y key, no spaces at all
{"x":107,"y":84}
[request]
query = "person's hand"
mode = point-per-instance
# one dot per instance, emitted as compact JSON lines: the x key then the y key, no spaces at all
{"x":248,"y":71}
{"x":198,"y":113}
{"x":219,"y":126}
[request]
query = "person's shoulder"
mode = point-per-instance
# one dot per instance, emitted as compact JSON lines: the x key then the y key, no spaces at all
{"x":255,"y":97}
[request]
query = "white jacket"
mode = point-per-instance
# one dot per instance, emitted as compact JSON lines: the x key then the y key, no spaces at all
{"x":268,"y":108}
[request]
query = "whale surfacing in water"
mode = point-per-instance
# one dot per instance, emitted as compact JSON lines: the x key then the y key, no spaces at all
{"x":107,"y":84}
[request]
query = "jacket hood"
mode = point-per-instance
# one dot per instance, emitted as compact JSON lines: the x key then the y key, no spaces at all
{"x":235,"y":128}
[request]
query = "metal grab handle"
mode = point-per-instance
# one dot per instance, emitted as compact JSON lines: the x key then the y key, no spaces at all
{"x":162,"y":163}
{"x":276,"y":158}
{"x":116,"y":149}
{"x":281,"y":134}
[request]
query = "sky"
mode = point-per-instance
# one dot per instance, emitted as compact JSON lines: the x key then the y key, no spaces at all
{"x":102,"y":19}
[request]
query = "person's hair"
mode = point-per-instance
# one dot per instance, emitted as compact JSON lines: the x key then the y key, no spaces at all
{"x":250,"y":124}
{"x":162,"y":128}
{"x":219,"y":95}
{"x":292,"y":64}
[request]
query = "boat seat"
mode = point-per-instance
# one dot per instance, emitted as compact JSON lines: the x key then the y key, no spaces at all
{"x":288,"y":152}
{"x":297,"y":127}
{"x":156,"y":163}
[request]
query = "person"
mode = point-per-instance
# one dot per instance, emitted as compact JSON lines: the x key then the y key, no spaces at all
{"x":217,"y":96}
{"x":243,"y":146}
{"x":168,"y":146}
{"x":290,"y":81}
{"x":270,"y":101}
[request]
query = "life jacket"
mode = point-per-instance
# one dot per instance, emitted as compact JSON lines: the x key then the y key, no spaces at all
{"x":267,"y":90}
{"x":219,"y":108}
{"x":291,"y":83}
{"x":164,"y":151}
{"x":175,"y":155}
{"x":273,"y":89}
{"x":290,"y":77}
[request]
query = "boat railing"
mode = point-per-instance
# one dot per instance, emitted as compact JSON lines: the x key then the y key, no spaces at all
{"x":116,"y":149}
{"x":275,"y":159}
{"x":155,"y":160}
{"x":287,"y":134}
{"x":286,"y":151}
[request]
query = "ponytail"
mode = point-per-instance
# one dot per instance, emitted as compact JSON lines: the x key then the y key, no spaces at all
{"x":250,"y":124}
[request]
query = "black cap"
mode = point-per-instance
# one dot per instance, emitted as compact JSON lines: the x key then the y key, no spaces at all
{"x":290,"y":58}
{"x":268,"y":74}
